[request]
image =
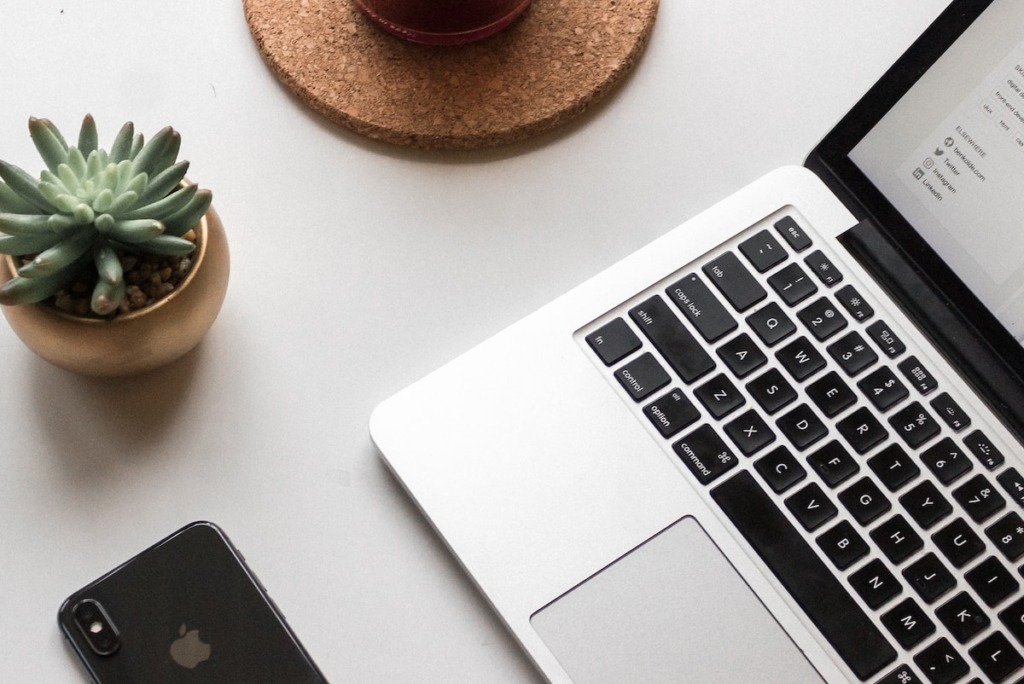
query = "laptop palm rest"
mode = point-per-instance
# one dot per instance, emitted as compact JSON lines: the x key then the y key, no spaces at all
{"x":673,"y":609}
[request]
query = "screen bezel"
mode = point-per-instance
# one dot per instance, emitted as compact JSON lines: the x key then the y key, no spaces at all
{"x":832,"y":162}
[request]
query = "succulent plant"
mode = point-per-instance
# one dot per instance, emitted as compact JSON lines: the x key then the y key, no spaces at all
{"x":89,"y":205}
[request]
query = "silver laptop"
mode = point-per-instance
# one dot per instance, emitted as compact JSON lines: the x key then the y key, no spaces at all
{"x":782,"y":442}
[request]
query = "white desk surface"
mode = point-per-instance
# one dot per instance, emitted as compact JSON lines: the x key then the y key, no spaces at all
{"x":356,"y":268}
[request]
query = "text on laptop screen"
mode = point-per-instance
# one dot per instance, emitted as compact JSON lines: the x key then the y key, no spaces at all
{"x":950,"y":157}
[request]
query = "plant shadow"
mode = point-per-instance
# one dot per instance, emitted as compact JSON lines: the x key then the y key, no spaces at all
{"x":93,"y":424}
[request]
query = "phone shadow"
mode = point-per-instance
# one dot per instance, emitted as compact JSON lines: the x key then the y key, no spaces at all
{"x":94,"y":424}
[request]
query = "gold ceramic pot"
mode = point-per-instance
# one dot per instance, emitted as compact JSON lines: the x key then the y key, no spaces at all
{"x":139,"y":341}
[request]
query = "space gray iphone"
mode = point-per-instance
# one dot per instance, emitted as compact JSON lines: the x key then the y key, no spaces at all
{"x":187,"y":609}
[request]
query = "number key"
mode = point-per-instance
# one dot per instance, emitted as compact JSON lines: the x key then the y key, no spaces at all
{"x":979,"y":498}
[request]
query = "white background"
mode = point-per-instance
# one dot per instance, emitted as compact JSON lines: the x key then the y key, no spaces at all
{"x":356,"y":268}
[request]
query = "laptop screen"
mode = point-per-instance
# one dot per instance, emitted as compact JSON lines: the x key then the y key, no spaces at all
{"x":949,"y":156}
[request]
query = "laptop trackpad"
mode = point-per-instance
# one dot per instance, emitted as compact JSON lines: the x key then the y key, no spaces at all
{"x":672,"y":610}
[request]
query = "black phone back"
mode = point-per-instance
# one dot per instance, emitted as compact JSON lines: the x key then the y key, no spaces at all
{"x":186,"y":610}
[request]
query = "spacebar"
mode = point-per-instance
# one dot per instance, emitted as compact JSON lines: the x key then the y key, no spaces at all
{"x":825,"y":601}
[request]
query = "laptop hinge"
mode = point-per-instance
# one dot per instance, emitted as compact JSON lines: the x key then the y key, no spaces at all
{"x":979,"y":364}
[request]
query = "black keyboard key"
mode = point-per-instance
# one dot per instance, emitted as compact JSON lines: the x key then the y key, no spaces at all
{"x":642,"y":377}
{"x":929,"y":577}
{"x":742,"y":355}
{"x":831,"y":394}
{"x":862,"y":430}
{"x":706,"y":454}
{"x":897,"y":539}
{"x":1013,"y":484}
{"x":1013,"y":617}
{"x":613,"y":341}
{"x":780,"y":469}
{"x":926,"y":504}
{"x":959,"y":543}
{"x":1008,"y":536}
{"x":865,"y":501}
{"x":771,"y":390}
{"x":883,"y":389}
{"x":734,"y":281}
{"x":822,"y":318}
{"x":800,"y":358}
{"x":984,"y":450}
{"x":749,"y":432}
{"x":670,"y":337}
{"x":893,"y":467}
{"x":793,"y":234}
{"x":701,"y":307}
{"x":950,"y":412}
{"x":792,"y":284}
{"x":946,"y":460}
{"x":852,"y":353}
{"x":854,"y":304}
{"x":875,"y":584}
{"x":671,"y":413}
{"x":941,"y":663}
{"x":979,"y":498}
{"x":811,"y":507}
{"x":800,"y":570}
{"x":823,"y":268}
{"x":833,"y":464}
{"x":908,"y":624}
{"x":843,"y":545}
{"x":771,"y":324}
{"x":883,"y":336}
{"x":801,"y":426}
{"x":996,"y":657}
{"x":992,"y":581}
{"x":963,"y":617}
{"x":763,"y":251}
{"x":917,"y":375}
{"x":719,"y":396}
{"x":914,"y":425}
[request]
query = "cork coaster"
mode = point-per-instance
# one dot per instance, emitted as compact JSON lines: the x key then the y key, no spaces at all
{"x":558,"y":58}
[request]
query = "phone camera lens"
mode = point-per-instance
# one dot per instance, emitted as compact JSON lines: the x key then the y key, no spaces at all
{"x":96,"y":626}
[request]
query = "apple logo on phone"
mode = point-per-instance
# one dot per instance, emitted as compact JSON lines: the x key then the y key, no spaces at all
{"x":188,"y":650}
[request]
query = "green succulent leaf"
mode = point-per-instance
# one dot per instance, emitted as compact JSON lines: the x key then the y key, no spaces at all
{"x":153,"y":151}
{"x":123,"y":202}
{"x":103,"y":200}
{"x":12,"y":203}
{"x":88,"y":138}
{"x":136,"y":231}
{"x":20,"y":290}
{"x":20,"y":245}
{"x":25,"y":224}
{"x":164,"y":208}
{"x":68,"y":178}
{"x":164,"y":182}
{"x":58,"y":257}
{"x":93,"y":165}
{"x":138,"y":142}
{"x":170,"y":245}
{"x":25,"y":186}
{"x":48,"y":140}
{"x":107,"y":297}
{"x":122,"y":146}
{"x":76,"y":160}
{"x":181,"y":221}
{"x":108,"y":266}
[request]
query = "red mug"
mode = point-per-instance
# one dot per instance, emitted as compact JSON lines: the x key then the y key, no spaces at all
{"x":443,"y":22}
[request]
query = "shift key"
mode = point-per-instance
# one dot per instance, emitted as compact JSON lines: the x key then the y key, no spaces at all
{"x":671,"y":338}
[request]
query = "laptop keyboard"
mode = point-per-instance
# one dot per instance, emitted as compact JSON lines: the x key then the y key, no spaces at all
{"x":852,"y":470}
